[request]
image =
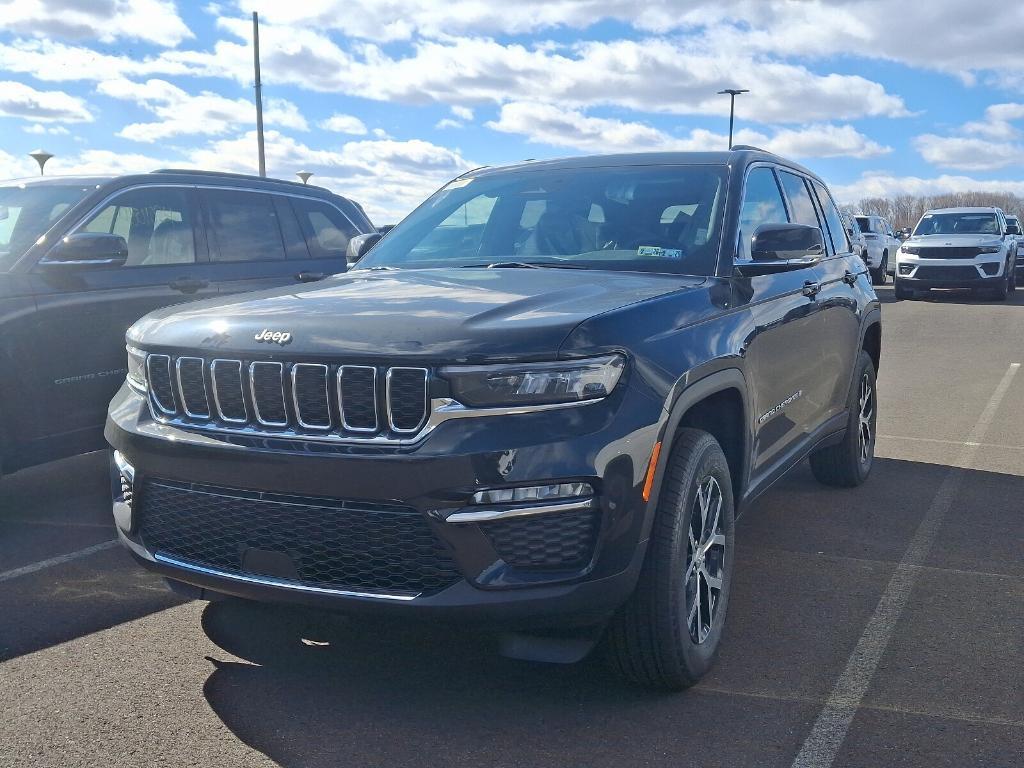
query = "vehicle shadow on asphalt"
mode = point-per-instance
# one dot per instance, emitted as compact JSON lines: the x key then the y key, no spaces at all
{"x":886,"y":296}
{"x":316,"y":689}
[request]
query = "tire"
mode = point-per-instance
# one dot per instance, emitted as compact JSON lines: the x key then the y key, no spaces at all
{"x":899,"y":291}
{"x":1001,"y":291}
{"x":878,"y":276}
{"x":847,"y":464}
{"x":659,"y":638}
{"x":1012,"y":272}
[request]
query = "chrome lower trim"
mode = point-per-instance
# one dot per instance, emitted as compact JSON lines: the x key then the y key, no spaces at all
{"x":127,"y":470}
{"x":487,"y":515}
{"x":443,"y":409}
{"x":269,"y":581}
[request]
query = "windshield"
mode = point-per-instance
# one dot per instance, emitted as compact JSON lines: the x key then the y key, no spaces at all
{"x":637,"y":218}
{"x":957,"y":224}
{"x":26,"y":212}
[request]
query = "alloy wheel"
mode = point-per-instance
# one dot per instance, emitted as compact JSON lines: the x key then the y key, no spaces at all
{"x":865,"y":418}
{"x":705,"y":564}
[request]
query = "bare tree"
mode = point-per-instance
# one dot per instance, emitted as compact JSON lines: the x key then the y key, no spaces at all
{"x":906,"y":210}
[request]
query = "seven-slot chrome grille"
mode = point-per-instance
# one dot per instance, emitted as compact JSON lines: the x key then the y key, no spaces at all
{"x":308,"y":399}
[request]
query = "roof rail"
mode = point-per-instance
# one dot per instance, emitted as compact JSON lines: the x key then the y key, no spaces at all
{"x":750,"y":148}
{"x":227,"y":175}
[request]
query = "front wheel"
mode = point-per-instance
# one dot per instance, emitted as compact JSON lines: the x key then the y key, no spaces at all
{"x":1012,"y":272}
{"x":848,"y":463}
{"x":667,"y":634}
{"x":1001,"y":291}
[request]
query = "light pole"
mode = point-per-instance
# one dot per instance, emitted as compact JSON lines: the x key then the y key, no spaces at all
{"x":733,"y":93}
{"x":259,"y":93}
{"x":40,"y":156}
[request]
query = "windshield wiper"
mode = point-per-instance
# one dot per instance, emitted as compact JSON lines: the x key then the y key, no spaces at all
{"x":522,"y":265}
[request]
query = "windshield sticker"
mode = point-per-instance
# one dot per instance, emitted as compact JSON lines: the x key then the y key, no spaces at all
{"x":659,"y":252}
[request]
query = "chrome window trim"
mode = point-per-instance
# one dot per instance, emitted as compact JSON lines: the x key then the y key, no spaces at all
{"x":255,"y":402}
{"x":504,"y":513}
{"x":152,"y":397}
{"x":387,"y":399}
{"x":327,"y":396}
{"x":181,"y":391}
{"x":341,"y":400}
{"x":267,"y":581}
{"x":241,"y":387}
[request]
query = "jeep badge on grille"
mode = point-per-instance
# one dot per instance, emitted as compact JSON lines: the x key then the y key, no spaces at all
{"x":277,"y":337}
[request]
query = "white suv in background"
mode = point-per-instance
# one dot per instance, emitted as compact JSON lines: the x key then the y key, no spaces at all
{"x":1014,"y":228}
{"x":881,"y":242}
{"x":958,"y":248}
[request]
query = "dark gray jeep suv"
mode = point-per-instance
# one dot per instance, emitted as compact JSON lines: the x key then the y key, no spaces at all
{"x":535,"y":406}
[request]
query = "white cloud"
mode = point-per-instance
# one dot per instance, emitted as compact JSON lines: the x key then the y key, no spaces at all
{"x":462,"y":113}
{"x":387,"y":177}
{"x":882,"y":184}
{"x":998,"y":122}
{"x":547,"y":124}
{"x":153,"y":21}
{"x":20,"y":100}
{"x":181,"y":113}
{"x":967,"y":153}
{"x":349,"y":124}
{"x":447,"y":122}
{"x":39,"y":129}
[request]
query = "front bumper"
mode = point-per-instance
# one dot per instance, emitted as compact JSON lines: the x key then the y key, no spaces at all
{"x":923,"y":274}
{"x":607,"y":445}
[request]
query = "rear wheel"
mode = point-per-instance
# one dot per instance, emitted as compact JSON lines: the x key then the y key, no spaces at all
{"x":667,"y":634}
{"x":848,"y":463}
{"x":878,"y":276}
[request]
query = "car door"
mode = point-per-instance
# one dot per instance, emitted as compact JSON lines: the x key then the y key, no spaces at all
{"x":77,"y":356}
{"x":257,"y":241}
{"x":783,"y":348}
{"x":843,"y":275}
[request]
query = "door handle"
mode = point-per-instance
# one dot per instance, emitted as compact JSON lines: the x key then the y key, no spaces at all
{"x":849,"y":278}
{"x":811,"y":288}
{"x":309,"y":277}
{"x":188,"y":284}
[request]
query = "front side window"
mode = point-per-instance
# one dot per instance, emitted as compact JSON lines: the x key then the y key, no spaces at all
{"x":958,"y":224}
{"x":27,"y":211}
{"x":840,"y":243}
{"x":762,"y":204}
{"x":325,"y":228}
{"x":801,"y":208}
{"x":244,"y":226}
{"x":635,"y":218}
{"x":155,"y":222}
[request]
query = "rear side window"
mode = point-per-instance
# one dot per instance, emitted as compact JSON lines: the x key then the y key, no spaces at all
{"x":835,"y":222}
{"x":244,"y":226}
{"x":325,"y":228}
{"x":156,"y":222}
{"x":762,"y":204}
{"x":801,"y":208}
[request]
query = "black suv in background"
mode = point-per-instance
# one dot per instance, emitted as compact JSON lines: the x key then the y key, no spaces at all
{"x":81,"y":259}
{"x":536,"y":405}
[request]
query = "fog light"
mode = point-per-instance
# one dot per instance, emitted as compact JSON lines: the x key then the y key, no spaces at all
{"x":533,"y":493}
{"x":991,"y":267}
{"x":123,"y":514}
{"x":906,"y":269}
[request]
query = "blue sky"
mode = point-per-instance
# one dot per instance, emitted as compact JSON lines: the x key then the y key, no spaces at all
{"x":384,"y":100}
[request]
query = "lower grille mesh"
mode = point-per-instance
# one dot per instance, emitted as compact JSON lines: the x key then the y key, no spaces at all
{"x":562,"y":540}
{"x":331,"y":544}
{"x":946,"y":273}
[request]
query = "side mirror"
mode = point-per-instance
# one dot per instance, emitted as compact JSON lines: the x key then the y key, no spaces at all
{"x":360,"y":245}
{"x":385,"y":228}
{"x":787,"y":242}
{"x":88,"y":249}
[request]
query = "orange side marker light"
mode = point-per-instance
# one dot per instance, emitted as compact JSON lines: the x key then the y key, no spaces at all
{"x":649,"y":482}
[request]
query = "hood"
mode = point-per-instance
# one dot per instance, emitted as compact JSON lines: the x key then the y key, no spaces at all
{"x":953,"y":241}
{"x":458,"y":315}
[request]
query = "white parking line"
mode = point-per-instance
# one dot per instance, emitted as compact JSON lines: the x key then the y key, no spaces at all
{"x":822,"y":744}
{"x":937,"y":441}
{"x":59,"y":560}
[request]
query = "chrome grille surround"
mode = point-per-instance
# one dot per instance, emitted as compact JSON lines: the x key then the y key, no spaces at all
{"x":221,"y":413}
{"x":261,"y":365}
{"x":188,"y":378}
{"x":346,"y":425}
{"x":297,"y":385}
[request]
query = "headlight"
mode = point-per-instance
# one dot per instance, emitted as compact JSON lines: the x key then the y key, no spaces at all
{"x":990,"y":249}
{"x":535,"y":383}
{"x":911,"y":250}
{"x":137,"y":369}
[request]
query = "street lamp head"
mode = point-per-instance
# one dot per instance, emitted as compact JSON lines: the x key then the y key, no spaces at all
{"x":304,"y":175}
{"x":734,"y":91}
{"x":40,"y":156}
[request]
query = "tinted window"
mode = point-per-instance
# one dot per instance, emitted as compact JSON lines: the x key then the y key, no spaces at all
{"x":637,"y":218}
{"x":156,"y":223}
{"x":832,"y":218}
{"x":27,"y":211}
{"x":762,"y":204}
{"x":244,"y":226}
{"x":325,"y":228}
{"x":801,"y":208}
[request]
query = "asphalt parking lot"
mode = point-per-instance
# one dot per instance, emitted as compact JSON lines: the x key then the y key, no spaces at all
{"x":882,"y":626}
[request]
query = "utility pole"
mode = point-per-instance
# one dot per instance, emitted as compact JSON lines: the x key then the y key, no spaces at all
{"x":259,"y":91}
{"x":733,"y":93}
